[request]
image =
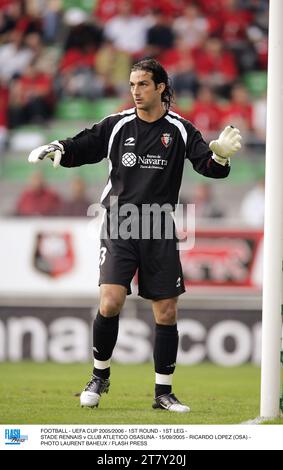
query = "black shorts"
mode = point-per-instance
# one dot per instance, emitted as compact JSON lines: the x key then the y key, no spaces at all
{"x":156,"y":261}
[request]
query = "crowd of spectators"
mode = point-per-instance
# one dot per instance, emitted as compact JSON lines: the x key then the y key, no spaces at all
{"x":49,"y":52}
{"x":39,"y":199}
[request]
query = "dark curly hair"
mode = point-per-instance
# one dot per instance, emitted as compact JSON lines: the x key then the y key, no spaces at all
{"x":159,"y":75}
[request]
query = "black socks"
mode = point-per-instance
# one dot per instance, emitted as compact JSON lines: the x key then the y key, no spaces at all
{"x":165,"y":355}
{"x":105,"y":333}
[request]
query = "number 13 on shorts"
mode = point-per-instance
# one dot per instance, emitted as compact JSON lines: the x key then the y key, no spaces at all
{"x":102,"y":256}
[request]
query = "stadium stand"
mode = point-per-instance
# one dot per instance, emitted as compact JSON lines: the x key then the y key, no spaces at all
{"x":65,"y":65}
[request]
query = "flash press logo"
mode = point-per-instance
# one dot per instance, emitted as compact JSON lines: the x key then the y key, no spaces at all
{"x":13,"y":437}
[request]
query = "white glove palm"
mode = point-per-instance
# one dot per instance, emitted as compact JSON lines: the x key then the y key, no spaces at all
{"x":55,"y":150}
{"x":228,"y":143}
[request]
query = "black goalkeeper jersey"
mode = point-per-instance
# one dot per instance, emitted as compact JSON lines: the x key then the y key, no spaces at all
{"x":146,"y":159}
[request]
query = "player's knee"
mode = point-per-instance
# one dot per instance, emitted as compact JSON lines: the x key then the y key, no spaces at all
{"x":168,"y":317}
{"x":110,"y":306}
{"x":167,"y":313}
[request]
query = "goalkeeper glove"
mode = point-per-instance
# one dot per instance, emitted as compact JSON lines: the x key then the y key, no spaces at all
{"x":228,"y":143}
{"x":54,"y":150}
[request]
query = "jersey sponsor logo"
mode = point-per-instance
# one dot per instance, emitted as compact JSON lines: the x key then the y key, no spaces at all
{"x":166,"y":139}
{"x":152,"y":161}
{"x":129,"y":159}
{"x":130,"y":141}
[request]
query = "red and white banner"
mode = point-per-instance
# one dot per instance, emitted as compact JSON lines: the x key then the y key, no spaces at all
{"x":224,"y":258}
{"x":59,"y":258}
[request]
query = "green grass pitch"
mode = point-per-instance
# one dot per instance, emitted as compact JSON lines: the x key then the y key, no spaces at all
{"x":47,"y":393}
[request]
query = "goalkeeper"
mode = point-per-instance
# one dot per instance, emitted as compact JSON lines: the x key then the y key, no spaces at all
{"x":146,"y":147}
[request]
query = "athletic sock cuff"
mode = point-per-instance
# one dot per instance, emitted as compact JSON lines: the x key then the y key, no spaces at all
{"x":109,"y":321}
{"x":166,"y":329}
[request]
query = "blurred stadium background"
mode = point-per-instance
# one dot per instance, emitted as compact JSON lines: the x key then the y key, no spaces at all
{"x":63,"y":66}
